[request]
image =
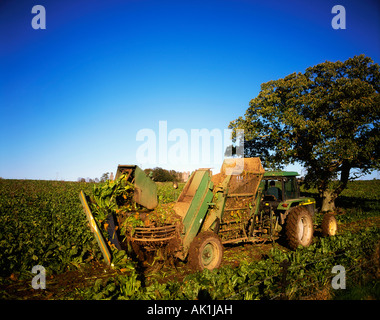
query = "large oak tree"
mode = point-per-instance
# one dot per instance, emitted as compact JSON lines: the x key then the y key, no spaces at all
{"x":326,"y":119}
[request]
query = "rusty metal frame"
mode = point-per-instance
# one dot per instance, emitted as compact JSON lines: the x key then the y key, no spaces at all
{"x":154,"y":234}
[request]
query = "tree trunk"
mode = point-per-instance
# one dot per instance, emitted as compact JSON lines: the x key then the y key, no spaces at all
{"x":328,"y":200}
{"x":330,"y":191}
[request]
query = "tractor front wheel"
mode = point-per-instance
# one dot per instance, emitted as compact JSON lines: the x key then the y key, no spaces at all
{"x":206,"y":251}
{"x":329,"y":225}
{"x":299,"y":228}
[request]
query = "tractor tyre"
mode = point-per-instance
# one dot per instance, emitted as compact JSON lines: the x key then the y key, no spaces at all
{"x":329,"y":225}
{"x":299,"y":228}
{"x":205,"y":252}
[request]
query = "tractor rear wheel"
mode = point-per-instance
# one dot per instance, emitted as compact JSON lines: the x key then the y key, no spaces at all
{"x":329,"y":225}
{"x":206,"y":251}
{"x":299,"y":228}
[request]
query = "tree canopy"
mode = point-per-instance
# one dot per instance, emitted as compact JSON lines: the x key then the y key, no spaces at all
{"x":162,"y":175}
{"x":326,"y":118}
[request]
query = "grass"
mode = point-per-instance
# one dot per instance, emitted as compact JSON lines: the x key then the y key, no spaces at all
{"x":368,"y":290}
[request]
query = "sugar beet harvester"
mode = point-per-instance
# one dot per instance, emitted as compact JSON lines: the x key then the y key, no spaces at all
{"x":242,"y":203}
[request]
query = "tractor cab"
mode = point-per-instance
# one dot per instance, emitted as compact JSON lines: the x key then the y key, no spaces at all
{"x":279,"y":190}
{"x":280,"y":186}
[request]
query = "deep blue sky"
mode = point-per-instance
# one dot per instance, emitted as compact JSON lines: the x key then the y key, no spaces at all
{"x":73,"y":96}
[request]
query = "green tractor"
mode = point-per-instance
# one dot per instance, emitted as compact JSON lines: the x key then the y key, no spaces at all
{"x":281,"y":201}
{"x":242,"y":203}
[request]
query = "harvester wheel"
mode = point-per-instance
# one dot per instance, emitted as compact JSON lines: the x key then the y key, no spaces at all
{"x":329,"y":225}
{"x":206,"y":251}
{"x":299,"y":228}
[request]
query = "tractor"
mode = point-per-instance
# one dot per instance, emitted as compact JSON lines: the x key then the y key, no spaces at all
{"x":242,"y":203}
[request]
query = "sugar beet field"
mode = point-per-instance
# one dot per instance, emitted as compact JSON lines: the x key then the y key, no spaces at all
{"x":42,"y":223}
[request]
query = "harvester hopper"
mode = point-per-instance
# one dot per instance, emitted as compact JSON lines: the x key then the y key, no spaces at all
{"x":145,"y":192}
